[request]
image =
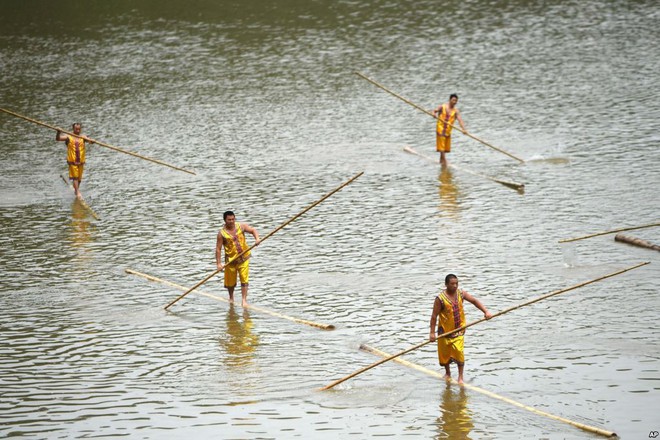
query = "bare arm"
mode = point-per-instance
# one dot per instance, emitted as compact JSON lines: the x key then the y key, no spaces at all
{"x":218,"y":252}
{"x":477,"y":304}
{"x":61,"y":137}
{"x":437,"y":307}
{"x":250,"y":230}
{"x":460,"y":120}
{"x":437,"y":111}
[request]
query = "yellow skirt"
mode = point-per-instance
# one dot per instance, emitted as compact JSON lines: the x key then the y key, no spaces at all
{"x":450,"y":349}
{"x":443,"y":143}
{"x":76,"y":172}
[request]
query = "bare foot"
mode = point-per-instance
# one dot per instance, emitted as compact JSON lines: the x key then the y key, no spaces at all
{"x":460,"y":381}
{"x":447,"y":378}
{"x":244,"y":304}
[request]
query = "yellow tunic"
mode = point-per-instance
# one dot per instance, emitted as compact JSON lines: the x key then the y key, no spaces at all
{"x":445,"y":121}
{"x":443,"y":129}
{"x":234,"y":244}
{"x":75,"y":152}
{"x":450,"y":318}
{"x":75,"y":157}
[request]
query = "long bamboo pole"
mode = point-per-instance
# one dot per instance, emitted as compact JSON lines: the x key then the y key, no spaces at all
{"x":520,"y":187}
{"x":219,"y":298}
{"x":568,"y":240}
{"x":535,"y":300}
{"x":102,"y":144}
{"x":407,"y":101}
{"x":214,"y":273}
{"x":433,"y":373}
{"x":82,"y":202}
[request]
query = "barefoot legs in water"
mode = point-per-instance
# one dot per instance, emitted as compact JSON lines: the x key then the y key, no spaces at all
{"x":447,"y":372}
{"x":244,"y":292}
{"x":460,"y":373}
{"x":76,"y":188}
{"x":461,"y":367}
{"x":443,"y":160}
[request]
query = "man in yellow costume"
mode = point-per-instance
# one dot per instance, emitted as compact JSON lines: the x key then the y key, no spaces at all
{"x":447,"y":114}
{"x":75,"y":155}
{"x":448,"y":315}
{"x":231,"y":238}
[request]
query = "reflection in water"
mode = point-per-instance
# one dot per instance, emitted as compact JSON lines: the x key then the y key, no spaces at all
{"x":455,"y":421}
{"x":449,"y":205}
{"x":239,"y":342}
{"x":80,"y":233}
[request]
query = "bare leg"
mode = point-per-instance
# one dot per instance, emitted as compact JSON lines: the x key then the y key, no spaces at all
{"x":447,"y":372}
{"x":460,"y":373}
{"x":230,"y":290}
{"x":244,"y":291}
{"x":76,"y":188}
{"x":443,"y":159}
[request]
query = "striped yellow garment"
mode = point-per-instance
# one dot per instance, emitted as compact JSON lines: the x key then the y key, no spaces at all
{"x":452,"y":315}
{"x":443,"y":128}
{"x":234,"y":244}
{"x":75,"y":152}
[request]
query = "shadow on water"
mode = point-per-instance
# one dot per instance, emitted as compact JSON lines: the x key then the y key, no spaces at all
{"x":455,"y":422}
{"x":239,"y":341}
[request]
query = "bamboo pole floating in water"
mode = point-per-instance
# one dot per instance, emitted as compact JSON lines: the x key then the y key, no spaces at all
{"x":490,"y":394}
{"x":82,"y":202}
{"x":214,"y":273}
{"x":636,"y":241}
{"x":568,"y":240}
{"x":540,"y":298}
{"x":219,"y":298}
{"x":102,"y":144}
{"x":514,"y":185}
{"x":435,"y":117}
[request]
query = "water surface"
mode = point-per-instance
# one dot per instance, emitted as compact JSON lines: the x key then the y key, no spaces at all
{"x":262,"y":103}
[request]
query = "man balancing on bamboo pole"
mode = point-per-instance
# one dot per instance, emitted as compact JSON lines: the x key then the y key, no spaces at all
{"x":446,"y":113}
{"x":75,"y":155}
{"x":448,"y":314}
{"x":231,"y":237}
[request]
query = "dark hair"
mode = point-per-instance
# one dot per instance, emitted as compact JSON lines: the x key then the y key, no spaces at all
{"x":449,"y":277}
{"x":76,"y":123}
{"x":453,"y":95}
{"x":227,"y":214}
